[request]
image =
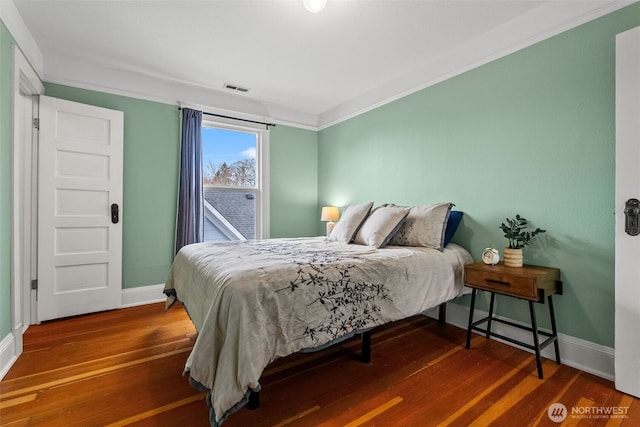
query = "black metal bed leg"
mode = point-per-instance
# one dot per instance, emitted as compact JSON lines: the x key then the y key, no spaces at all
{"x":442,"y":314}
{"x":254,"y":400}
{"x":365,"y":356}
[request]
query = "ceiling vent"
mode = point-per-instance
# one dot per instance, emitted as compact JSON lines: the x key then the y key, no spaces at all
{"x":236,"y":87}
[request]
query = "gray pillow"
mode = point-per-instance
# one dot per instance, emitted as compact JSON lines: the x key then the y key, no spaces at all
{"x":348,"y":225}
{"x":424,"y":226}
{"x":381,"y":225}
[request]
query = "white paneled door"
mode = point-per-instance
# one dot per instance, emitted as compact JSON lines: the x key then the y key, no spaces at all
{"x":627,"y":281}
{"x":79,"y":209}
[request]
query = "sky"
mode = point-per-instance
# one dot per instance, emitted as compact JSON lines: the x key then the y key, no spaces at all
{"x":221,"y":145}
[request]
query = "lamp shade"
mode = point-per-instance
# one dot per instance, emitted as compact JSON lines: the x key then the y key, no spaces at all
{"x":329,"y":213}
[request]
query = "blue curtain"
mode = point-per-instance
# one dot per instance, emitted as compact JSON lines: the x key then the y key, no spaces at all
{"x":190,"y":218}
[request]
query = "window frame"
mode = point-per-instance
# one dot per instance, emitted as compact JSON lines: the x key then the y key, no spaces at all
{"x":261,"y":190}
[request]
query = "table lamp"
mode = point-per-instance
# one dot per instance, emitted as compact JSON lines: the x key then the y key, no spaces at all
{"x":331,"y":214}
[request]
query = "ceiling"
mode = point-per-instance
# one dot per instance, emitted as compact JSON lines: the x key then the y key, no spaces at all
{"x":305,"y":69}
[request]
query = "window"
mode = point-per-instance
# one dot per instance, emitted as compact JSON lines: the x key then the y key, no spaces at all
{"x":235,"y":182}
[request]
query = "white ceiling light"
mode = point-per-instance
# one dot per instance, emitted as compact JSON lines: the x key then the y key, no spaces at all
{"x":314,"y":6}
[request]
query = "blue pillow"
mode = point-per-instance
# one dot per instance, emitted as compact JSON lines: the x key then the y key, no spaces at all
{"x":452,"y":225}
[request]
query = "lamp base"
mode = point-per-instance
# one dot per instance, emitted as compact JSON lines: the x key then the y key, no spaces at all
{"x":330,"y":226}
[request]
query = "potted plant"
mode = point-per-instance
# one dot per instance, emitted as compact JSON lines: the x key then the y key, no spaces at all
{"x":515,"y":232}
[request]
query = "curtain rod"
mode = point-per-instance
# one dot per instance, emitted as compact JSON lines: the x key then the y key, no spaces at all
{"x":237,"y":118}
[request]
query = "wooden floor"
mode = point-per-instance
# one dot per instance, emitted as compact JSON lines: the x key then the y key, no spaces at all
{"x":124,"y":367}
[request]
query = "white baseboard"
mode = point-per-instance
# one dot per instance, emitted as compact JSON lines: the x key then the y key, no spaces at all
{"x":142,"y":295}
{"x":7,"y":354}
{"x":593,"y":358}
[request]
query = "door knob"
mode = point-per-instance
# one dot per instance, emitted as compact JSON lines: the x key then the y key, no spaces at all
{"x":631,"y":213}
{"x":114,"y":213}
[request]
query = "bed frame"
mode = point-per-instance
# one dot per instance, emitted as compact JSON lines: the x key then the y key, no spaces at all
{"x":365,"y":353}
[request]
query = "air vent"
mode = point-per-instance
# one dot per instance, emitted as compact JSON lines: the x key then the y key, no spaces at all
{"x":236,"y":87}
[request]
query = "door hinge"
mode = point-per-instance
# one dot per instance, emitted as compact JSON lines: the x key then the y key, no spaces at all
{"x":36,"y":123}
{"x":34,"y":284}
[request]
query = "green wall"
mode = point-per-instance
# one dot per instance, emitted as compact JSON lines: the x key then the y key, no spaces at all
{"x":151,"y":159}
{"x":294,"y":182}
{"x":6,"y":64}
{"x":531,"y":133}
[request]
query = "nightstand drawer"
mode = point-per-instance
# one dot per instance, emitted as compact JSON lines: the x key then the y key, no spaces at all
{"x":530,"y":282}
{"x":524,"y":287}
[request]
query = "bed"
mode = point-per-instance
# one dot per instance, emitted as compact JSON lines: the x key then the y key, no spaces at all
{"x":255,"y":301}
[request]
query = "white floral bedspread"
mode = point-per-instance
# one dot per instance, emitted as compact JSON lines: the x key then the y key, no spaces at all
{"x":255,"y":301}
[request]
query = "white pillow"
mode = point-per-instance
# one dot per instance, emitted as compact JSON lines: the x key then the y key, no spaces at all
{"x":348,"y":225}
{"x":381,"y":225}
{"x":424,"y":226}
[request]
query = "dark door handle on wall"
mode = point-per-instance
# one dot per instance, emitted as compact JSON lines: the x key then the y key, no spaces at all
{"x":631,"y":213}
{"x":114,"y":213}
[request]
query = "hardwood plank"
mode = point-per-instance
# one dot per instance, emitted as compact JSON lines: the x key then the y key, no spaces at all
{"x":157,"y":411}
{"x":5,"y":403}
{"x":88,"y":374}
{"x":124,"y":368}
{"x":297,"y":417}
{"x":375,"y":412}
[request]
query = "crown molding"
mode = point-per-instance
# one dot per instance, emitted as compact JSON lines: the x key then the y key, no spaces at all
{"x":13,"y":21}
{"x":501,"y":41}
{"x":559,"y":16}
{"x":70,"y":71}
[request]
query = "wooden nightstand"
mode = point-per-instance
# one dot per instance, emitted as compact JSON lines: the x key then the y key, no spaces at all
{"x":530,"y":283}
